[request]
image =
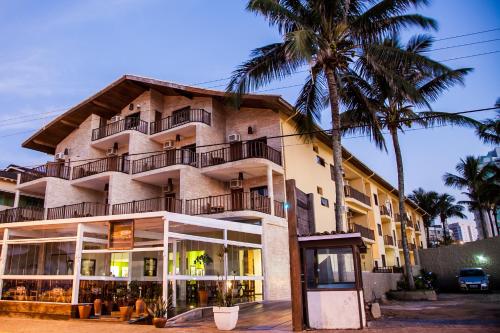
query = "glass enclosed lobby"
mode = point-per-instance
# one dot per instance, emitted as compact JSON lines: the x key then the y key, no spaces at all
{"x":75,"y":261}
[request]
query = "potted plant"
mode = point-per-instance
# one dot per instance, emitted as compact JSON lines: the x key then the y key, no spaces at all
{"x":136,"y":293}
{"x":125,"y":304}
{"x":206,"y":260}
{"x":84,"y":311}
{"x":225,"y":313}
{"x":158,"y":309}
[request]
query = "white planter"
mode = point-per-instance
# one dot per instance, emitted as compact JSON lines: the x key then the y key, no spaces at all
{"x":226,"y":317}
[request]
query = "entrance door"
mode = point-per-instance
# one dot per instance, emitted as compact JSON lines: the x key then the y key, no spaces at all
{"x":132,"y":120}
{"x":258,"y":198}
{"x":235,"y":151}
{"x":237,"y":199}
{"x":257,"y":148}
{"x":383,"y":261}
{"x":180,"y":116}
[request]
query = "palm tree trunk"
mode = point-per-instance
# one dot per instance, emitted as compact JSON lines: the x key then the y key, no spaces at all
{"x":495,"y":208}
{"x":443,"y":222}
{"x":483,"y":223}
{"x":491,"y":222}
{"x":337,"y":150}
{"x":402,"y":212}
{"x":427,"y":237}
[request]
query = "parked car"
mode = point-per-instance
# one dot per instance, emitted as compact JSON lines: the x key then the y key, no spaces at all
{"x":476,"y":279}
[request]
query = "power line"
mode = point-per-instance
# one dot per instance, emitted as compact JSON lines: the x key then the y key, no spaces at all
{"x":321,"y":131}
{"x":469,"y":34}
{"x":33,"y":114}
{"x":462,"y":45}
{"x":471,"y":56}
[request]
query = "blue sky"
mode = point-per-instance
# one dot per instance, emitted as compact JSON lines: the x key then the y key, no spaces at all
{"x":56,"y":53}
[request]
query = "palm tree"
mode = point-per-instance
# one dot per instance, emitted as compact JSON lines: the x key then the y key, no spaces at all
{"x":489,"y":130}
{"x":327,"y":36}
{"x":426,"y":201}
{"x":447,"y":208}
{"x":480,"y":184}
{"x":378,"y":101}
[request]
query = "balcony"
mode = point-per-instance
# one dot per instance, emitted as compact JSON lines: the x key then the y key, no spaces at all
{"x":113,"y":128}
{"x":228,"y":203}
{"x":389,"y":240}
{"x":165,"y":159}
{"x":180,"y":118}
{"x":115,"y":163}
{"x":57,"y":170}
{"x":240,"y":151}
{"x":385,"y":213}
{"x":388,"y":269}
{"x":364,"y":231}
{"x":351,"y":193}
{"x":84,"y":209}
{"x":148,"y":205}
{"x":411,"y":246}
{"x":409,"y":222}
{"x":21,"y":214}
{"x":279,"y":209}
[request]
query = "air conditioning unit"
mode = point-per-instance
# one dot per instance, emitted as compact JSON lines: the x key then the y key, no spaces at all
{"x":169,"y":144}
{"x":59,"y":156}
{"x":111,"y":152}
{"x":236,"y":183}
{"x":346,"y":182}
{"x":115,"y":119}
{"x":168,"y":188}
{"x":234,"y":138}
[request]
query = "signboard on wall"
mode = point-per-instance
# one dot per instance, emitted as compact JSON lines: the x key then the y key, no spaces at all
{"x":121,"y":235}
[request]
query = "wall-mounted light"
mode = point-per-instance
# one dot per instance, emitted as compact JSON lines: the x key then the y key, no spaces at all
{"x":131,"y":106}
{"x":240,"y":176}
{"x":115,"y":146}
{"x":177,"y":138}
{"x":250,"y":130}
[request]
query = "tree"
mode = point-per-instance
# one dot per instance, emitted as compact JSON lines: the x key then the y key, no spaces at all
{"x":327,"y":36}
{"x":378,"y":101}
{"x":489,"y":130}
{"x":426,"y":201}
{"x":447,"y":208}
{"x":480,"y":184}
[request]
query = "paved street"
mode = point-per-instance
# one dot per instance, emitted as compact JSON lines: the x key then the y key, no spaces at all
{"x":452,"y":313}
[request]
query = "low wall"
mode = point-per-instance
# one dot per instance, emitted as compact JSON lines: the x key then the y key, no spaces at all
{"x":37,"y":309}
{"x":446,"y":261}
{"x":377,"y":284}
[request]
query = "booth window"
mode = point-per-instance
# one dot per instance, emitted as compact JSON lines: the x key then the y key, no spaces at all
{"x":322,"y":268}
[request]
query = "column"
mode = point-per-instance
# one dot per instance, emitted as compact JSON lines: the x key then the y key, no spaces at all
{"x":270,"y":188}
{"x":165,"y":260}
{"x":18,"y":193}
{"x":174,"y":270}
{"x":77,"y":264}
{"x":226,"y":265}
{"x":3,"y":257}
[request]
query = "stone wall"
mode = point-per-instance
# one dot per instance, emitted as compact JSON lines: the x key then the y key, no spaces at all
{"x":446,"y":261}
{"x":377,"y":284}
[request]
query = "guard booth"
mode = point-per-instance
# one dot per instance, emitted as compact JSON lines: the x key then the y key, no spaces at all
{"x":325,"y":271}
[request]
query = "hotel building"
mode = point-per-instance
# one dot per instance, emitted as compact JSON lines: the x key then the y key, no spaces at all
{"x":166,"y":187}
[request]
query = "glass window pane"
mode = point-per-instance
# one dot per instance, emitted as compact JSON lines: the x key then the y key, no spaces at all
{"x":330,"y":268}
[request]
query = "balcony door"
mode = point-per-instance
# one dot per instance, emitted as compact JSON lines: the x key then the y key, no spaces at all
{"x":258,"y":196}
{"x":189,"y":154}
{"x":237,"y":199}
{"x":180,"y":116}
{"x":170,"y":202}
{"x":132,"y":120}
{"x":257,"y":147}
{"x":235,"y":151}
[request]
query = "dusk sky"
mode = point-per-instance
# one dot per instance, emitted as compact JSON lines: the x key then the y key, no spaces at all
{"x":56,"y":53}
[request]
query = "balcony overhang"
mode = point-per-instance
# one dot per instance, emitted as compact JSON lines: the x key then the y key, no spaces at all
{"x":94,"y":182}
{"x":121,"y":138}
{"x":160,"y":176}
{"x":357,"y":205}
{"x":251,"y":168}
{"x":35,"y":187}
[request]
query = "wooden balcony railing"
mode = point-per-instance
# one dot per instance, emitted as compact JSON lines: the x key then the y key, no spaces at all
{"x":57,"y":170}
{"x":181,"y":118}
{"x":388,"y":269}
{"x":411,"y":246}
{"x":228,"y":203}
{"x":364,"y":231}
{"x":389,"y":240}
{"x":240,"y":151}
{"x":21,"y":214}
{"x":84,"y":209}
{"x":116,"y":163}
{"x":409,"y":222}
{"x":384,"y":211}
{"x":165,"y":159}
{"x":120,"y":126}
{"x":8,"y":174}
{"x":279,"y":209}
{"x":148,"y":205}
{"x":351,"y":192}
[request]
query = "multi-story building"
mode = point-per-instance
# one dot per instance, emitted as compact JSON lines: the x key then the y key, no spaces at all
{"x":492,"y":222}
{"x":463,"y":231}
{"x":170,"y":186}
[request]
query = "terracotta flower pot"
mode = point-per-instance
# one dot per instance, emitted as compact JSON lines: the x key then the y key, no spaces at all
{"x":125,"y":312}
{"x":140,"y":306}
{"x":109,"y":306}
{"x":84,"y":311}
{"x":203,"y":297}
{"x":97,"y":306}
{"x":159,"y":322}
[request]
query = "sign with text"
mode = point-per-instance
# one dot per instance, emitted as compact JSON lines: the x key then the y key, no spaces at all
{"x":121,"y":235}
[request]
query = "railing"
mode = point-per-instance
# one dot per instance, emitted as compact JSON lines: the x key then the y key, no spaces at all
{"x":180,"y":118}
{"x":8,"y":174}
{"x":116,"y":163}
{"x":58,"y":170}
{"x":397,"y":218}
{"x":148,"y":205}
{"x":351,"y":192}
{"x":411,"y":246}
{"x":384,"y":211}
{"x":240,"y":151}
{"x":388,"y":240}
{"x":165,"y":159}
{"x":21,"y":214}
{"x":364,"y":231}
{"x":84,"y":209}
{"x":227,"y":203}
{"x":279,"y":209}
{"x":388,"y":269}
{"x":120,"y":126}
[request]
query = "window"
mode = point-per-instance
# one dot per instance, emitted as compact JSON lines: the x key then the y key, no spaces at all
{"x":319,"y":190}
{"x":383,"y":261}
{"x":324,"y":202}
{"x":331,"y":172}
{"x":379,"y":229}
{"x":315,"y":149}
{"x":322,"y":269}
{"x":375,"y":199}
{"x":320,"y":160}
{"x":6,"y":199}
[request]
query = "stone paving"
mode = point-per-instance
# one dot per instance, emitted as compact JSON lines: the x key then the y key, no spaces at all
{"x":453,"y":313}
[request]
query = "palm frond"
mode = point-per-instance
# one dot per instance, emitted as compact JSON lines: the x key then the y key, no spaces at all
{"x":432,"y":89}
